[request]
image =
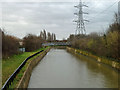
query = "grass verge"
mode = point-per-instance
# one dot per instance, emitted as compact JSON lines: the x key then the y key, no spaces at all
{"x":11,"y":64}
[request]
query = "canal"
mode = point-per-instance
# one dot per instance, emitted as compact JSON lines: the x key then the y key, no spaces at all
{"x":60,"y":69}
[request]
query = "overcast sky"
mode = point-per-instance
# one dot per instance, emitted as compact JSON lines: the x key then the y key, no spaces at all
{"x":20,"y":18}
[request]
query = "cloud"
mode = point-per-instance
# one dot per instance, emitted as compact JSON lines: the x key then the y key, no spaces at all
{"x":20,"y":18}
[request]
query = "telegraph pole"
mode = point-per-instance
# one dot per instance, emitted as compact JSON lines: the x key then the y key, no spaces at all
{"x":80,"y":28}
{"x":119,"y":12}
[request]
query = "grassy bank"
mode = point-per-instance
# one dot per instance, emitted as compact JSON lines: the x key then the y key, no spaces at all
{"x":107,"y":61}
{"x":11,"y":64}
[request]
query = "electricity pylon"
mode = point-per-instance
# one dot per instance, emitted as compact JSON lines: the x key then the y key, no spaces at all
{"x":80,"y":29}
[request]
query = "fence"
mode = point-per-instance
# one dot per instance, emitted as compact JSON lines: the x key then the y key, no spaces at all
{"x":11,"y":78}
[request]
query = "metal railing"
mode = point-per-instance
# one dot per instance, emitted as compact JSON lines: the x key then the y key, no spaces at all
{"x":11,"y":78}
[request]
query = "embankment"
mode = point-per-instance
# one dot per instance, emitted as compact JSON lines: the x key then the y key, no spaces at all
{"x":106,"y":61}
{"x":26,"y":76}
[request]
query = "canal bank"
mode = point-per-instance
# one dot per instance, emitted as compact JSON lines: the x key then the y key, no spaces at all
{"x":111,"y":63}
{"x":26,"y":76}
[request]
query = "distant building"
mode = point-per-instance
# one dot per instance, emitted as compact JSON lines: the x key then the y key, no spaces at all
{"x":21,"y":43}
{"x":21,"y":48}
{"x":119,"y":12}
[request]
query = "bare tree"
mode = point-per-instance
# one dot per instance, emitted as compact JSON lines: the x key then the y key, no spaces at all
{"x":32,"y":42}
{"x":44,"y":34}
{"x":54,"y":37}
{"x":49,"y":37}
{"x":41,"y":34}
{"x":10,"y":45}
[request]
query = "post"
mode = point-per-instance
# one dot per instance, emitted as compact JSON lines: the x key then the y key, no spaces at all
{"x":119,"y":12}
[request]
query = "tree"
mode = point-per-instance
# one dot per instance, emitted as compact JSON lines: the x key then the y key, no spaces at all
{"x":10,"y":45}
{"x":112,"y":44}
{"x":32,"y":42}
{"x":107,"y":44}
{"x":49,"y":37}
{"x":54,"y":37}
{"x":41,"y":34}
{"x":44,"y":35}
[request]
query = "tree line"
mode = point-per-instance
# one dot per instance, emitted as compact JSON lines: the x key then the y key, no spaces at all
{"x":31,"y":42}
{"x":102,"y":44}
{"x":10,"y":45}
{"x":49,"y":37}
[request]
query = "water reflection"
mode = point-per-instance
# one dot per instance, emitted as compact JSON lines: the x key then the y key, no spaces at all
{"x":105,"y":74}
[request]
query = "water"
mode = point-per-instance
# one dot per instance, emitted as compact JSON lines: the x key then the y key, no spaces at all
{"x":60,"y":69}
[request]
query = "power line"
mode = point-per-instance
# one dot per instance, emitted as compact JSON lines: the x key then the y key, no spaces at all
{"x":104,"y":10}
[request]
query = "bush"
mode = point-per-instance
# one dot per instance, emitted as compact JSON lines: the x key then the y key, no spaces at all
{"x":10,"y":45}
{"x":107,"y":45}
{"x":32,"y":42}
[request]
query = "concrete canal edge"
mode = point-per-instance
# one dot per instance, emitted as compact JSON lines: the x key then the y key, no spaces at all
{"x":111,"y":63}
{"x":27,"y":74}
{"x":59,"y":47}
